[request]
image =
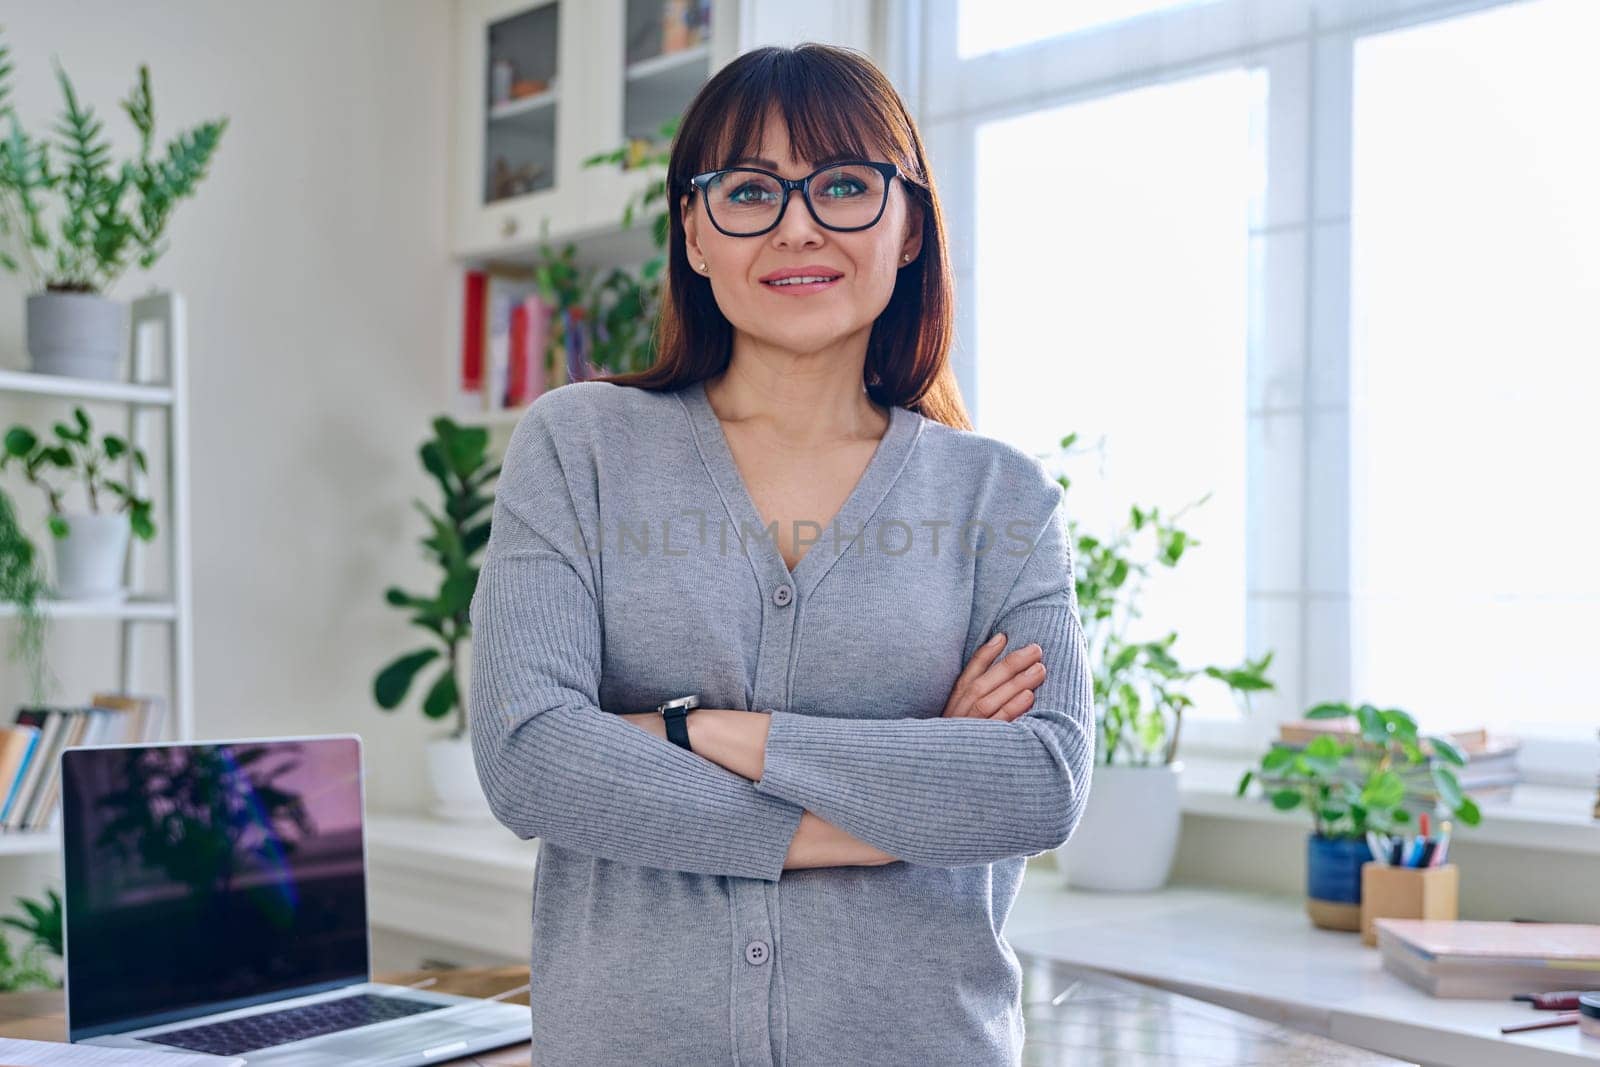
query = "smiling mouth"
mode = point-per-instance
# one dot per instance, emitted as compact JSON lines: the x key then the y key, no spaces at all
{"x":804,"y":283}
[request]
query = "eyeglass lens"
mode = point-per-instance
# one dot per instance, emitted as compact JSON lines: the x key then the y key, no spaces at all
{"x":747,"y":201}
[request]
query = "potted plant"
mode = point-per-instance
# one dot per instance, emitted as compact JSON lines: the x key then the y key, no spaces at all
{"x":1352,"y":785}
{"x":457,"y":459}
{"x":72,"y":327}
{"x":1139,"y":696}
{"x":92,"y":546}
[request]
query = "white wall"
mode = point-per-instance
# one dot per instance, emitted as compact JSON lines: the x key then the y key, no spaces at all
{"x":314,"y":260}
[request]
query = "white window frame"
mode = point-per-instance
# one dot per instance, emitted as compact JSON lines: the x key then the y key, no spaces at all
{"x":1298,"y":359}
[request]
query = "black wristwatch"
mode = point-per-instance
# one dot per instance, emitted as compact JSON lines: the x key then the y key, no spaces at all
{"x":675,"y":711}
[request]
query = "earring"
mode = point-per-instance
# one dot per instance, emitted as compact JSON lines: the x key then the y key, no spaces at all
{"x":906,"y":258}
{"x":702,"y":266}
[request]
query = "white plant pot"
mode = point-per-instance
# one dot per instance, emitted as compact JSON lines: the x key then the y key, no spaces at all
{"x":79,"y":335}
{"x":1128,"y":835}
{"x":457,"y":793}
{"x":90,"y":560}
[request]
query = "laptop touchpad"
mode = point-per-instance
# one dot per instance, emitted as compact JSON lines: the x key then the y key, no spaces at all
{"x":451,"y":1038}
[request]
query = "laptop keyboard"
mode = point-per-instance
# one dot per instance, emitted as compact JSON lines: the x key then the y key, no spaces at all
{"x":233,"y":1036}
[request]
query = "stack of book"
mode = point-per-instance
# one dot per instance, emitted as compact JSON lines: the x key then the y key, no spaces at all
{"x":1490,"y":960}
{"x":1491,"y":770}
{"x":515,"y":345}
{"x":30,"y":750}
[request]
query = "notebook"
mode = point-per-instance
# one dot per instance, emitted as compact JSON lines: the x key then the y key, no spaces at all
{"x":1472,"y":958}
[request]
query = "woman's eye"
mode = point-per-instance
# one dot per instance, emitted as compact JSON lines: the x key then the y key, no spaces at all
{"x":841,"y":187}
{"x":747,"y":193}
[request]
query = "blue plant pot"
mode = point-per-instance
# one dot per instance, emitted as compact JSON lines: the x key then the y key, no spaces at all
{"x":1333,"y":880}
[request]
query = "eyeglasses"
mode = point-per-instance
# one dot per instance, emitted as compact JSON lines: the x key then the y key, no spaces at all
{"x":748,"y":202}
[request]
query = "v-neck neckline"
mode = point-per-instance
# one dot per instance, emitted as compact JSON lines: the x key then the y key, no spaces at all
{"x":863,"y":499}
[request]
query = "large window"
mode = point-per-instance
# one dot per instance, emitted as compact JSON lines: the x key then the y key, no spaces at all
{"x":1111,"y":302}
{"x":1335,"y":262}
{"x":1475,"y":270}
{"x":991,"y":25}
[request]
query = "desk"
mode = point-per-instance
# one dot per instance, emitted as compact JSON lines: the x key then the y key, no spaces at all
{"x":1258,"y":953}
{"x":1073,"y":1016}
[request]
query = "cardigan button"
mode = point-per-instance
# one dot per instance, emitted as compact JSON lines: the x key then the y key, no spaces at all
{"x":756,"y":952}
{"x":782,"y":595}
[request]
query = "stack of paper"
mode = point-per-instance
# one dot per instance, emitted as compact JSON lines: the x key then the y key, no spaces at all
{"x":1465,"y":958}
{"x":15,"y":1052}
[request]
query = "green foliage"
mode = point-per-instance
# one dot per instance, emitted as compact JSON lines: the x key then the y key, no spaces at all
{"x":1388,"y":743}
{"x":43,"y":923}
{"x":1140,"y":689}
{"x":457,"y":458}
{"x":74,"y":453}
{"x":619,"y":305}
{"x":23,"y":583}
{"x":97,"y":236}
{"x":43,"y":927}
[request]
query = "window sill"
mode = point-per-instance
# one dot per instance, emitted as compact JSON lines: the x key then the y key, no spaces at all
{"x":1546,"y":817}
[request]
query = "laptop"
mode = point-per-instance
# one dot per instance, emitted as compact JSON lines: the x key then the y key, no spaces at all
{"x":216,"y":902}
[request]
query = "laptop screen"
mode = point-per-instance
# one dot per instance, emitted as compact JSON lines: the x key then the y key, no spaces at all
{"x":208,"y":877}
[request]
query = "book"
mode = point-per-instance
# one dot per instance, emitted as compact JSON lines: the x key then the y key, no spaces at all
{"x":48,"y":723}
{"x":1480,"y":959}
{"x":15,"y":754}
{"x":506,"y":291}
{"x":472,"y":333}
{"x":530,"y":350}
{"x":1471,"y":742}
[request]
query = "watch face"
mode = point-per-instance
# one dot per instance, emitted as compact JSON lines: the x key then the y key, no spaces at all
{"x":680,"y":704}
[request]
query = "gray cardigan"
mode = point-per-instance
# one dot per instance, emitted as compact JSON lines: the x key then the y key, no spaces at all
{"x":628,"y":565}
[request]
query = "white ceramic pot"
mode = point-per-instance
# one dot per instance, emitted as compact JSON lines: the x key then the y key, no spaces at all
{"x":79,"y":335}
{"x":457,"y":793}
{"x":1128,"y":835}
{"x":90,"y":560}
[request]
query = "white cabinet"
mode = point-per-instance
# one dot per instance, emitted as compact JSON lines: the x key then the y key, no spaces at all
{"x":545,"y":84}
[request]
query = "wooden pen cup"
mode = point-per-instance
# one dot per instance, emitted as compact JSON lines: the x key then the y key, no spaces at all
{"x":1406,"y":893}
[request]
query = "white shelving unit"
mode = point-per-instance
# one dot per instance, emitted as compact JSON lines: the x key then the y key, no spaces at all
{"x":158,"y":392}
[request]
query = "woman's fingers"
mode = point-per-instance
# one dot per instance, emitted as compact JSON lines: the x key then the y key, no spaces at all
{"x":987,"y":685}
{"x":1016,"y":707}
{"x":999,"y":699}
{"x":1011,"y":665}
{"x":981,"y":660}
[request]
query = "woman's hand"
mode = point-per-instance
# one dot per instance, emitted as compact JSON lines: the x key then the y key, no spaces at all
{"x":1002,"y":690}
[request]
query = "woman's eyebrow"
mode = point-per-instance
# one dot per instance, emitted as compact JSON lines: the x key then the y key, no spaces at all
{"x":770,"y":165}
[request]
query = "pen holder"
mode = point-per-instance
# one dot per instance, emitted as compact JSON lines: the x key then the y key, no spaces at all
{"x":1406,"y":893}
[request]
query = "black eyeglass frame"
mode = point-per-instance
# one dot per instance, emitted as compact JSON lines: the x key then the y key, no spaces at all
{"x":890,"y":172}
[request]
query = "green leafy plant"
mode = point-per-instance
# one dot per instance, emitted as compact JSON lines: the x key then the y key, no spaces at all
{"x":1387,"y":746}
{"x":23,"y":583}
{"x":97,"y":236}
{"x":74,"y":453}
{"x":43,"y":922}
{"x":43,"y":927}
{"x":617,"y":306}
{"x":623,"y":302}
{"x":1140,"y":689}
{"x":458,"y":460}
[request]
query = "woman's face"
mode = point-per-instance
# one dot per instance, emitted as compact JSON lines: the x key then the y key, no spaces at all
{"x":803,"y":319}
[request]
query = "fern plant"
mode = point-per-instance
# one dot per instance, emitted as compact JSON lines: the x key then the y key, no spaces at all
{"x":97,"y":236}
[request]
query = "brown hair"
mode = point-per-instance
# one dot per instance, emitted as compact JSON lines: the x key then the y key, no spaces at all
{"x":833,"y":100}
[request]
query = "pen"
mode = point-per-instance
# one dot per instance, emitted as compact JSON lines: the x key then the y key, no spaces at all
{"x":1559,"y":1020}
{"x":1444,"y":845}
{"x":1378,"y":845}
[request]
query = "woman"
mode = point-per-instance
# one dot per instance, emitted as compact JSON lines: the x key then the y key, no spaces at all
{"x":789,"y":518}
